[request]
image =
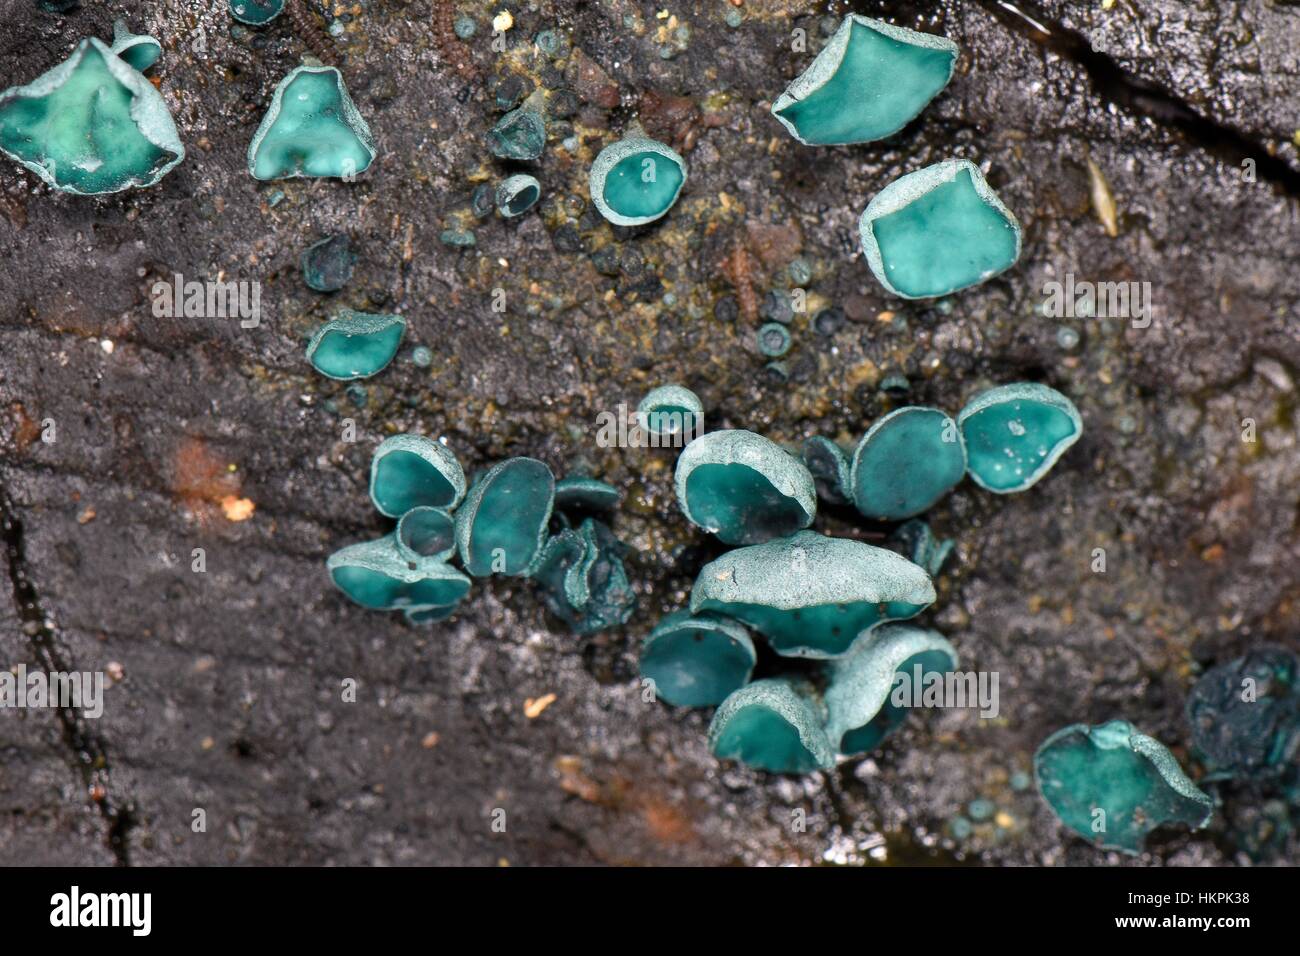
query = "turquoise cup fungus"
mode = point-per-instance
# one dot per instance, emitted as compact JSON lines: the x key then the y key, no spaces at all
{"x":860,"y":687}
{"x":501,"y":527}
{"x":426,"y":532}
{"x":355,"y":345}
{"x":91,"y":125}
{"x":697,"y":661}
{"x":1113,"y":785}
{"x":1014,"y":434}
{"x":869,"y":81}
{"x":255,"y":13}
{"x":917,"y":542}
{"x":520,"y":134}
{"x":413,"y":471}
{"x":775,"y":725}
{"x":671,"y":410}
{"x":312,"y":128}
{"x":636,"y":180}
{"x":376,"y":575}
{"x":829,"y":466}
{"x":906,"y":462}
{"x":576,"y":493}
{"x":139,"y":51}
{"x":938,"y":230}
{"x":517,"y":194}
{"x":744,"y":488}
{"x":810,"y":595}
{"x":583,"y":580}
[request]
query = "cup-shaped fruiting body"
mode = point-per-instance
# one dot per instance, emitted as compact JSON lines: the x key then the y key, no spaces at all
{"x":869,"y":81}
{"x":312,"y":128}
{"x":91,"y":125}
{"x":697,"y":661}
{"x":327,"y":265}
{"x":918,"y":544}
{"x":429,"y":615}
{"x":938,"y":230}
{"x":255,"y":13}
{"x":636,"y":180}
{"x":1247,"y":736}
{"x":744,"y":488}
{"x":426,"y":532}
{"x":138,"y":51}
{"x":576,"y":493}
{"x":906,"y":462}
{"x":517,"y":194}
{"x":1015,"y":433}
{"x":774,"y":725}
{"x":860,"y":692}
{"x":1113,"y":785}
{"x":773,"y":339}
{"x":376,"y":575}
{"x":829,"y":466}
{"x":355,"y":345}
{"x":413,"y":471}
{"x":810,"y":595}
{"x":520,"y":134}
{"x":502,"y":524}
{"x":583,"y":579}
{"x":671,"y":410}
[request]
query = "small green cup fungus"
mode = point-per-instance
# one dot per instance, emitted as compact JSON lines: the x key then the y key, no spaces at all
{"x":585,"y":494}
{"x":1015,"y":433}
{"x":426,"y":532}
{"x":938,"y":230}
{"x":327,"y":265}
{"x":829,"y":466}
{"x":355,"y":345}
{"x":859,"y":692}
{"x":312,"y":128}
{"x":1248,"y":736}
{"x":774,"y":725}
{"x":773,"y":339}
{"x":138,"y":51}
{"x":810,"y":595}
{"x":906,"y":462}
{"x":697,"y":661}
{"x":502,"y":524}
{"x":583,"y":579}
{"x":520,"y":134}
{"x":918,"y":544}
{"x":91,"y":125}
{"x":636,"y":180}
{"x":413,"y":471}
{"x":376,"y":575}
{"x":255,"y":13}
{"x":744,"y":488}
{"x":671,"y":410}
{"x":867,"y":83}
{"x":1113,"y":785}
{"x":429,"y":615}
{"x":517,"y":194}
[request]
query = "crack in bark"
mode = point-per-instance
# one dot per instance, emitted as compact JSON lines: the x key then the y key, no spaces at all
{"x":86,"y":749}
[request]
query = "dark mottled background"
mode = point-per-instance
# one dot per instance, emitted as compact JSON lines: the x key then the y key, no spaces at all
{"x":227,"y":684}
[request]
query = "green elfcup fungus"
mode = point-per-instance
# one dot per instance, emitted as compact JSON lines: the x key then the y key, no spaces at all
{"x":744,"y":488}
{"x":1015,"y":433}
{"x":774,"y":725}
{"x":1113,"y":785}
{"x":697,"y":661}
{"x":327,"y":265}
{"x":355,"y":345}
{"x":810,"y":595}
{"x":501,"y":527}
{"x":773,"y":339}
{"x":583,"y":579}
{"x":414,"y":471}
{"x":429,"y":614}
{"x":517,"y":194}
{"x":255,"y":13}
{"x":585,"y":494}
{"x":920,"y":546}
{"x":376,"y":575}
{"x":906,"y":462}
{"x":312,"y":128}
{"x":636,"y":180}
{"x":91,"y":125}
{"x":829,"y":466}
{"x":867,"y":83}
{"x":860,"y":692}
{"x":938,"y":230}
{"x":426,"y":532}
{"x":671,"y":410}
{"x":138,"y":51}
{"x":520,"y":134}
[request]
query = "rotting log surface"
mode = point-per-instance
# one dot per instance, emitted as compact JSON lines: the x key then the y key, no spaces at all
{"x":229,"y":696}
